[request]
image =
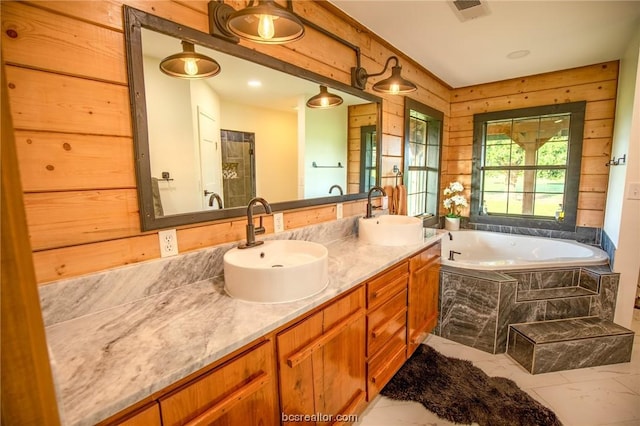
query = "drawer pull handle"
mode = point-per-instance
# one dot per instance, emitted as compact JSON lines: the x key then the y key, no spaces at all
{"x":231,"y":400}
{"x":379,"y":330}
{"x":389,"y":287}
{"x":351,"y":406}
{"x":322,"y":340}
{"x":380,"y":378}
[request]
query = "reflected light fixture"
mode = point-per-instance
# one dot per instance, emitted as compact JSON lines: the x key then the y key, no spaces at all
{"x":395,"y":84}
{"x":266,"y":23}
{"x":189,"y":64}
{"x":324,"y":99}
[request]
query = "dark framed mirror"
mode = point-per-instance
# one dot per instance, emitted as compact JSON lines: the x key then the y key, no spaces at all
{"x":204,"y":147}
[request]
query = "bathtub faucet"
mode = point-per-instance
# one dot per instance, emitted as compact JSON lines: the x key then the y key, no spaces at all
{"x":450,"y":236}
{"x":451,"y":253}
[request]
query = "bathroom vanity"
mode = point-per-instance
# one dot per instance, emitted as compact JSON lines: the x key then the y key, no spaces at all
{"x":193,"y":355}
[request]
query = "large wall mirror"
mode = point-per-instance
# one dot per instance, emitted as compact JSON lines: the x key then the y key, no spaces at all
{"x":205,"y":147}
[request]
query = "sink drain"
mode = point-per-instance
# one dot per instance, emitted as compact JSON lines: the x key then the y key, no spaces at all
{"x":277,"y":266}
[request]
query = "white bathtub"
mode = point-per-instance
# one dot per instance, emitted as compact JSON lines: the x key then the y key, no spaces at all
{"x":497,"y":251}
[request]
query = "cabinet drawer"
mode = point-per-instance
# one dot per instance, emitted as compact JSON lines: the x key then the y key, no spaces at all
{"x":382,"y":288}
{"x":384,"y":322}
{"x":386,"y":363}
{"x":241,"y":390}
{"x":147,"y":416}
{"x":430,"y":254}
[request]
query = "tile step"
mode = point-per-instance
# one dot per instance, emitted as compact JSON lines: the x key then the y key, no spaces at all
{"x":566,"y":344}
{"x":553,"y":293}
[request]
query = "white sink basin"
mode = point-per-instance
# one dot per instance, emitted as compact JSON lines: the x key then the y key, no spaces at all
{"x":277,"y":271}
{"x":391,"y":230}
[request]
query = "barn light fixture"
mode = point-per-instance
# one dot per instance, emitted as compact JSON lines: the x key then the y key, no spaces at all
{"x":262,"y":21}
{"x":189,"y":64}
{"x":395,"y":84}
{"x":324,"y":99}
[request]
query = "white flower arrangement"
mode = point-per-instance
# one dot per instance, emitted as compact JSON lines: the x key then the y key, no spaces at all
{"x":454,"y":201}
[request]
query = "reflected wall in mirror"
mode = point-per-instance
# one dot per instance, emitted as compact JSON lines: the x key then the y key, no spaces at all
{"x":205,"y":147}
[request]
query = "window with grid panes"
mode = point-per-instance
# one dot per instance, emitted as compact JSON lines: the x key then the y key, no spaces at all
{"x":527,"y":166}
{"x":423,"y":139}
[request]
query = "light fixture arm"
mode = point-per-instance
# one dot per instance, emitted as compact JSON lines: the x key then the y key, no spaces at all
{"x":329,"y":34}
{"x":386,"y":66}
{"x":359,"y":75}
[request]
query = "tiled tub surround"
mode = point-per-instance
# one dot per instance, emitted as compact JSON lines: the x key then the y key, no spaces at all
{"x":582,"y":234}
{"x":121,"y":335}
{"x":476,"y":307}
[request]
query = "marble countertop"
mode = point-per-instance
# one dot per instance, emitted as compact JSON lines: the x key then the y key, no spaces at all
{"x":108,"y":360}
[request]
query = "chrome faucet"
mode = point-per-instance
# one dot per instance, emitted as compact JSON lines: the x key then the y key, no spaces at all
{"x":252,"y":231}
{"x":216,"y":197}
{"x":369,"y":209}
{"x":337,"y":187}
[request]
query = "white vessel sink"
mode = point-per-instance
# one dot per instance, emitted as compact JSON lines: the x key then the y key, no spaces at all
{"x":391,"y":230}
{"x":277,"y":271}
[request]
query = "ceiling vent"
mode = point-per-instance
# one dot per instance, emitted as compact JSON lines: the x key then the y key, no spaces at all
{"x":469,"y":9}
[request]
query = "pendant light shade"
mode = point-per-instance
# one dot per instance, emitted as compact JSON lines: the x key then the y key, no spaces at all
{"x":189,"y":64}
{"x":266,"y":23}
{"x":324,"y":99}
{"x":395,"y":84}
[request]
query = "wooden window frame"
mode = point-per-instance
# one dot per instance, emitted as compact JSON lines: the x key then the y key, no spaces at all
{"x":409,"y":105}
{"x":365,"y":131}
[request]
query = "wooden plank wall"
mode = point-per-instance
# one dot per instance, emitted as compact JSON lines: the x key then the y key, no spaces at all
{"x":359,"y":116}
{"x":68,"y":93}
{"x":596,"y":84}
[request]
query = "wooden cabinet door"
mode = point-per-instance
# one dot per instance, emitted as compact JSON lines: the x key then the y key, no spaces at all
{"x":343,"y":358}
{"x":296,"y":372}
{"x":322,"y":364}
{"x":240,"y":392}
{"x":424,"y":280}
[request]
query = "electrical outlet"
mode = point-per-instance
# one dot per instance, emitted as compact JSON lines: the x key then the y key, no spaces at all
{"x":278,"y":222}
{"x":385,"y":202}
{"x":168,"y":242}
{"x":339,"y":211}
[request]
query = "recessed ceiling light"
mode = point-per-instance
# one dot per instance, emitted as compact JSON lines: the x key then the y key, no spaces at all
{"x":517,"y":54}
{"x":254,"y":83}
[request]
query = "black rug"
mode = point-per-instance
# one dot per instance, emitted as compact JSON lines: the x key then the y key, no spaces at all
{"x":457,"y":391}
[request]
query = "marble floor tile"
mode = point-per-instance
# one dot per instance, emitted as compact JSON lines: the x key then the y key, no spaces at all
{"x":608,"y":395}
{"x":631,"y":381}
{"x":457,"y":350}
{"x":387,"y":412}
{"x":597,"y":402}
{"x":508,"y":368}
{"x":629,"y":423}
